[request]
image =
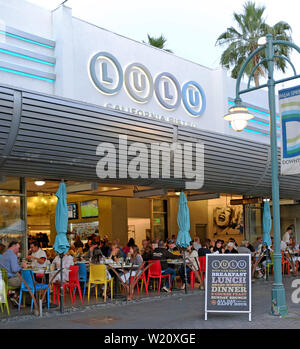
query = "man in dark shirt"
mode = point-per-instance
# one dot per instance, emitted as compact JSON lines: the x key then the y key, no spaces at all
{"x":162,"y":254}
{"x":204,"y":250}
{"x":231,"y":248}
{"x":172,"y":246}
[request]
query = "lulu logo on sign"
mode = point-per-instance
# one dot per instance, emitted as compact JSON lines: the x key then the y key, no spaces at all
{"x":108,"y":77}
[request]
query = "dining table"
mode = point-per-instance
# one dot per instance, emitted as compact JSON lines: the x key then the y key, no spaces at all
{"x":120,"y":267}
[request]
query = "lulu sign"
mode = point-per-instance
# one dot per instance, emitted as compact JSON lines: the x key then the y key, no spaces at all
{"x":108,"y":77}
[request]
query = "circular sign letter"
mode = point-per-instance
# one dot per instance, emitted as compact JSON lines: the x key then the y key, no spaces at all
{"x":193,"y":98}
{"x":140,"y":87}
{"x":106,"y":79}
{"x":167,"y":79}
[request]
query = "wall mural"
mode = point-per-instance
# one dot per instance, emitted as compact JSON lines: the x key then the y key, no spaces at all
{"x":228,"y":220}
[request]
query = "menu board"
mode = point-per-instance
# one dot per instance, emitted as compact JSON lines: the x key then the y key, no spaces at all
{"x":84,"y":229}
{"x":228,"y":283}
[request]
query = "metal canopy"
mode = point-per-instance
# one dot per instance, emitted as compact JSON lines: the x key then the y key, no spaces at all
{"x":47,"y":136}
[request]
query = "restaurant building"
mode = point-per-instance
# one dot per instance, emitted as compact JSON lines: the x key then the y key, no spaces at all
{"x":68,"y":88}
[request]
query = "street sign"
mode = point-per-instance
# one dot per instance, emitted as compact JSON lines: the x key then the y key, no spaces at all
{"x":228,"y":283}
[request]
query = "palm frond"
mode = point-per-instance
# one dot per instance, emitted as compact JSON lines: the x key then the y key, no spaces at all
{"x":241,"y":42}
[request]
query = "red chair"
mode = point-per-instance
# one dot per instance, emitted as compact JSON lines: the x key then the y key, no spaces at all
{"x":192,"y":278}
{"x":71,"y":285}
{"x":142,"y":277}
{"x":284,"y":263}
{"x":202,"y":264}
{"x":154,"y":272}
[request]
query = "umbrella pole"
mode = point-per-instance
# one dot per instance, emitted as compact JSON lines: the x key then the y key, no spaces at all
{"x":61,"y":283}
{"x":185,"y":275}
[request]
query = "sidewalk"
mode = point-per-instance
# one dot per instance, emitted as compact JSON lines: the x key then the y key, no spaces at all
{"x":174,"y":311}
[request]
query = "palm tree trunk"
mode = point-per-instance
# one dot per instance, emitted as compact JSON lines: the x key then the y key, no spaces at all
{"x":256,"y":73}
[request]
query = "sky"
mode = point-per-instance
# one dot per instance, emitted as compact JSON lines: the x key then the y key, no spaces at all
{"x":191,"y":27}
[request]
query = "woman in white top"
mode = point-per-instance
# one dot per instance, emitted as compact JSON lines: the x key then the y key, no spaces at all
{"x":136,"y":259}
{"x":66,"y":262}
{"x":191,"y":256}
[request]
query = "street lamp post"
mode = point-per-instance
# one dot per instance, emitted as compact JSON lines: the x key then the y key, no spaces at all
{"x":278,"y":292}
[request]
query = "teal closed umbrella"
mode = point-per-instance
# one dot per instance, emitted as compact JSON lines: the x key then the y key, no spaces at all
{"x":267,"y":224}
{"x":183,"y":221}
{"x":61,"y":244}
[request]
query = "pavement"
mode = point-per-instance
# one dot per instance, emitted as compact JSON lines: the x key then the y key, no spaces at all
{"x":167,"y":311}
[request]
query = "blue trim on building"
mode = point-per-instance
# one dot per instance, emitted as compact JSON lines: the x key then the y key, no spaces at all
{"x":24,"y":39}
{"x":26,"y":57}
{"x":26,"y":74}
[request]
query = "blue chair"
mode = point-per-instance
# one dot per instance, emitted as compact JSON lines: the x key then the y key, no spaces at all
{"x":82,"y":275}
{"x":27,"y":275}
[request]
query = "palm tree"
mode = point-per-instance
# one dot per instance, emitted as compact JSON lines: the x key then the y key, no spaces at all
{"x":243,"y":41}
{"x":158,"y":42}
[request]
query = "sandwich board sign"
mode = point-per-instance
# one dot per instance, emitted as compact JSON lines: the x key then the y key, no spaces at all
{"x":228,"y":284}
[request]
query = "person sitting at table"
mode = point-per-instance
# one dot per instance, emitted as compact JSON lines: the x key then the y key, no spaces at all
{"x":197,"y":243}
{"x":105,"y":246}
{"x":191,"y":255}
{"x":147,"y":254}
{"x":78,"y":243}
{"x":293,"y":249}
{"x":2,"y":249}
{"x":145,"y":243}
{"x":9,"y":262}
{"x":230,"y":248}
{"x":72,"y":251}
{"x":235,"y":243}
{"x":162,"y":254}
{"x":67,"y":261}
{"x":97,"y":257}
{"x":37,"y":255}
{"x":155,"y":244}
{"x":116,"y":253}
{"x":94,"y":245}
{"x":204,"y":250}
{"x":172,"y":247}
{"x":51,"y":254}
{"x":244,"y":247}
{"x":218,"y":248}
{"x":211,"y":245}
{"x":88,"y":245}
{"x":130,"y":243}
{"x":136,"y":259}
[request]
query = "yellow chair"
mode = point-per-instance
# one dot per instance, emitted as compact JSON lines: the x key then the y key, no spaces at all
{"x":4,"y":290}
{"x":98,"y":277}
{"x":7,"y":288}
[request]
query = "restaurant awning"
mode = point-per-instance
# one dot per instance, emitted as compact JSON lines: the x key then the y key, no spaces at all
{"x":46,"y":136}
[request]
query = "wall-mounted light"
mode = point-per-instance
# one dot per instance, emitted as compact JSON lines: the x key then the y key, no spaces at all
{"x":39,"y":183}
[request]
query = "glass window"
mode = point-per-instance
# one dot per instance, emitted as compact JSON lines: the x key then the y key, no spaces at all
{"x":159,"y":205}
{"x":9,"y":185}
{"x":159,"y":219}
{"x":254,"y":220}
{"x":12,"y":225}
